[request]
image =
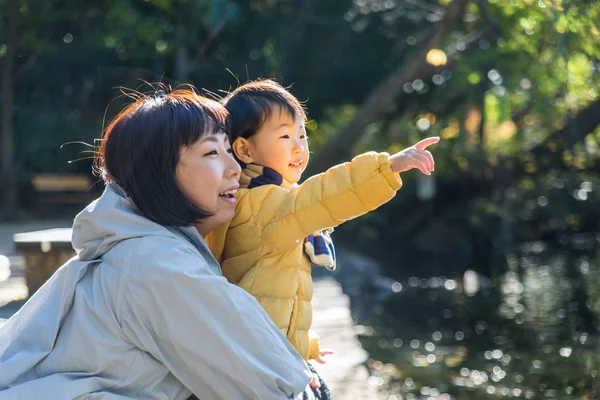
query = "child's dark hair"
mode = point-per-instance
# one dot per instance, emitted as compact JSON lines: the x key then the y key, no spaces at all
{"x":140,"y":149}
{"x":251,"y":104}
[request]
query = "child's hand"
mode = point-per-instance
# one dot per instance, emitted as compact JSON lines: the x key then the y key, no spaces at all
{"x":415,"y":157}
{"x":319,"y":358}
{"x":314,"y":383}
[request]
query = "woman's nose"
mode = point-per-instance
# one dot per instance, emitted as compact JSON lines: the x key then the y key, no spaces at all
{"x":233,"y":167}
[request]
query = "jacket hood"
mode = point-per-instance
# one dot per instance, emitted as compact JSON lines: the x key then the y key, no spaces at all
{"x":113,"y":218}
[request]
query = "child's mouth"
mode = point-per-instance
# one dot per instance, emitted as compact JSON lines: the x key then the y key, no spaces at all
{"x":296,"y":164}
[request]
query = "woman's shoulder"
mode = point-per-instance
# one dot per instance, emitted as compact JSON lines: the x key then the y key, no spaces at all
{"x":153,"y":256}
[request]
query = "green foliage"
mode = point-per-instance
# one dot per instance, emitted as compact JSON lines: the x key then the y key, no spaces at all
{"x":515,"y":86}
{"x":516,"y":72}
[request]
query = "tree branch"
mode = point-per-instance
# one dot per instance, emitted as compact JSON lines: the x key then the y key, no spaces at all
{"x":430,"y":8}
{"x":210,"y":38}
{"x":491,"y":22}
{"x":575,"y":130}
{"x":382,"y":98}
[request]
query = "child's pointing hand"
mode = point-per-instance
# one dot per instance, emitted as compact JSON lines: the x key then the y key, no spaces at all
{"x":319,"y":358}
{"x":415,"y":157}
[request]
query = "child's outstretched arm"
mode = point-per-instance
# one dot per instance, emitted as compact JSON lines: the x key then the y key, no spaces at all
{"x":343,"y":192}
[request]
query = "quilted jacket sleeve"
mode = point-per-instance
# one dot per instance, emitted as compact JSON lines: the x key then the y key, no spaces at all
{"x":343,"y":192}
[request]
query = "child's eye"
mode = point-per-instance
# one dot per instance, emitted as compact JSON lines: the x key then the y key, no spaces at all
{"x":230,"y":151}
{"x":211,"y":153}
{"x":284,"y":137}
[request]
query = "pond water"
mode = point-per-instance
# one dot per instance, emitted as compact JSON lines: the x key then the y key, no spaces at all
{"x":530,"y":332}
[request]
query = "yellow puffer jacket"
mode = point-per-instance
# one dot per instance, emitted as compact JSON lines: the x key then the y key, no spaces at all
{"x":261,"y":249}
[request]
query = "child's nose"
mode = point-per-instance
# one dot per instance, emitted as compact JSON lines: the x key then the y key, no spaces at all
{"x":298,"y":145}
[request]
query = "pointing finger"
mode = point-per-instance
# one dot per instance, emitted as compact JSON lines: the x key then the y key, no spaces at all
{"x":421,"y":145}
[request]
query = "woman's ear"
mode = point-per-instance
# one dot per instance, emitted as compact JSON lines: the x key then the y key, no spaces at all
{"x":241,"y":149}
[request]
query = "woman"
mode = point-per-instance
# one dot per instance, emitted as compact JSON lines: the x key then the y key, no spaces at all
{"x":142,"y":311}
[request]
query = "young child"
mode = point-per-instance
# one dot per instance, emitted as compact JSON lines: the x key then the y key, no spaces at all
{"x":280,"y":227}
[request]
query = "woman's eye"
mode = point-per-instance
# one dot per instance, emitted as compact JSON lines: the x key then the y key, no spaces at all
{"x":284,"y":137}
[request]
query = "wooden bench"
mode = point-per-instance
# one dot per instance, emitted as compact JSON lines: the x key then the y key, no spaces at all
{"x":63,"y":188}
{"x":44,"y":252}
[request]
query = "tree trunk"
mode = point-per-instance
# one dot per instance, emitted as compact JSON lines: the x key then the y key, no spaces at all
{"x":381,"y":99}
{"x":299,"y":25}
{"x":481,"y":91}
{"x":8,"y":186}
{"x":575,"y":130}
{"x":181,"y":58}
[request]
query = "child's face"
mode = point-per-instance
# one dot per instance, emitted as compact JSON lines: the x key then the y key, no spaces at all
{"x":280,"y":144}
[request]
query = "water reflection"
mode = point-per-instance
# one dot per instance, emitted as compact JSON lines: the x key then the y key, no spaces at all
{"x":529,"y":333}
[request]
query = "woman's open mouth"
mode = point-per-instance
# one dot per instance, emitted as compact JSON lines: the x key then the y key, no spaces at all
{"x":229,"y":195}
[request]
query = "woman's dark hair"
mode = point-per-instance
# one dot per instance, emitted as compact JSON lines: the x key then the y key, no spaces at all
{"x":140,"y":150}
{"x":251,"y":104}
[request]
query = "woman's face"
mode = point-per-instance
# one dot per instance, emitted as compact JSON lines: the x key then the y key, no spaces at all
{"x":208,"y":175}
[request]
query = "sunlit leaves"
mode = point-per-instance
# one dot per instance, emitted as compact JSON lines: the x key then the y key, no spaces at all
{"x":451,"y":131}
{"x":474,"y":78}
{"x":436,"y":57}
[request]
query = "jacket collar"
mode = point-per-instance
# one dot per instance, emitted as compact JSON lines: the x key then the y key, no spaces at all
{"x":254,"y":175}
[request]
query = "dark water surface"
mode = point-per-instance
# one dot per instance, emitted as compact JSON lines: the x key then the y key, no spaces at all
{"x":531,"y":332}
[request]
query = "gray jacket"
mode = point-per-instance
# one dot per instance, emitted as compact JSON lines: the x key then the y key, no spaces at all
{"x":143,"y":312}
